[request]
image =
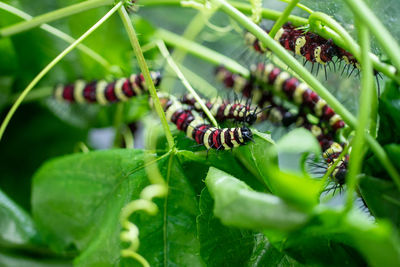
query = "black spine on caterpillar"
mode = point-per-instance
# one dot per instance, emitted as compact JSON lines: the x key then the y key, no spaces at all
{"x":276,"y":113}
{"x":102,"y":92}
{"x":223,"y":109}
{"x":282,"y":83}
{"x":198,"y":129}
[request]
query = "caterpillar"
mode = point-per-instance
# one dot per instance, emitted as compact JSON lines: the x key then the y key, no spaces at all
{"x":330,"y":150}
{"x":199,"y":130}
{"x":276,"y":113}
{"x":102,"y":92}
{"x":282,"y":83}
{"x":310,"y":46}
{"x":223,"y":109}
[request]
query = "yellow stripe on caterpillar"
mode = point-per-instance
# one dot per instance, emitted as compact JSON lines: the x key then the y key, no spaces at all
{"x":100,"y":87}
{"x":78,"y":91}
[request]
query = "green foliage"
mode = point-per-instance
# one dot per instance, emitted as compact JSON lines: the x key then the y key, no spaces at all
{"x":256,"y":206}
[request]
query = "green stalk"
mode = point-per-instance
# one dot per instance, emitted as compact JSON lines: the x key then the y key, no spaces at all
{"x":280,"y":52}
{"x":343,"y":39}
{"x":51,"y":65}
{"x":283,"y":18}
{"x":56,"y":32}
{"x":166,"y":55}
{"x":388,"y":43}
{"x":242,"y":6}
{"x":305,"y":8}
{"x":358,"y":149}
{"x":201,"y":51}
{"x":53,"y":15}
{"x":192,"y":30}
{"x":146,"y":73}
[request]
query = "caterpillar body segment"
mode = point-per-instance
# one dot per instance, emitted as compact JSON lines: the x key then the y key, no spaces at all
{"x":223,"y":109}
{"x":282,"y":83}
{"x":102,"y":92}
{"x":198,"y":129}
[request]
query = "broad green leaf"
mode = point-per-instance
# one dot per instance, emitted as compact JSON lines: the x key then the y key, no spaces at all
{"x":77,"y":201}
{"x":382,"y":198}
{"x":8,"y":259}
{"x":262,"y":159}
{"x":16,"y":226}
{"x":237,"y":205}
{"x":245,"y":247}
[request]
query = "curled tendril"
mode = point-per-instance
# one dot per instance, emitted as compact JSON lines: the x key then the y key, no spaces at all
{"x":130,"y":232}
{"x":256,"y":10}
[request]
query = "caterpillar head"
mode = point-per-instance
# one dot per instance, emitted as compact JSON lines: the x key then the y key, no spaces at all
{"x":250,"y":118}
{"x":246,"y":134}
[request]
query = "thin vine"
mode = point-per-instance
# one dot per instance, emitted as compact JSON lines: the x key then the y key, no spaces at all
{"x":358,"y":149}
{"x":171,"y":62}
{"x":283,"y":18}
{"x":51,"y":16}
{"x":146,"y":73}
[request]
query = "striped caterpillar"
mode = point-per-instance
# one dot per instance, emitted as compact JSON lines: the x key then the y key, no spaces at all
{"x":276,"y":113}
{"x":198,"y":129}
{"x":223,"y":109}
{"x":282,"y":83}
{"x":102,"y":92}
{"x":310,"y":46}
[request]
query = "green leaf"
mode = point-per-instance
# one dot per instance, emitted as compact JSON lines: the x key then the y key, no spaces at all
{"x":17,"y":229}
{"x":382,"y":198}
{"x":245,"y":247}
{"x":8,"y":259}
{"x":389,"y":109}
{"x":262,"y":160}
{"x":237,"y":205}
{"x":77,"y":201}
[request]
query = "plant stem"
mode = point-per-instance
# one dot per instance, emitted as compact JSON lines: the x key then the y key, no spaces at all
{"x":283,"y":18}
{"x":280,"y":52}
{"x":201,"y":51}
{"x":358,"y":149}
{"x":343,"y":39}
{"x":51,"y":16}
{"x":56,"y":32}
{"x":243,"y":7}
{"x":51,"y":65}
{"x":166,"y":55}
{"x":146,"y":73}
{"x":305,"y":8}
{"x":388,"y":43}
{"x":192,"y":30}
